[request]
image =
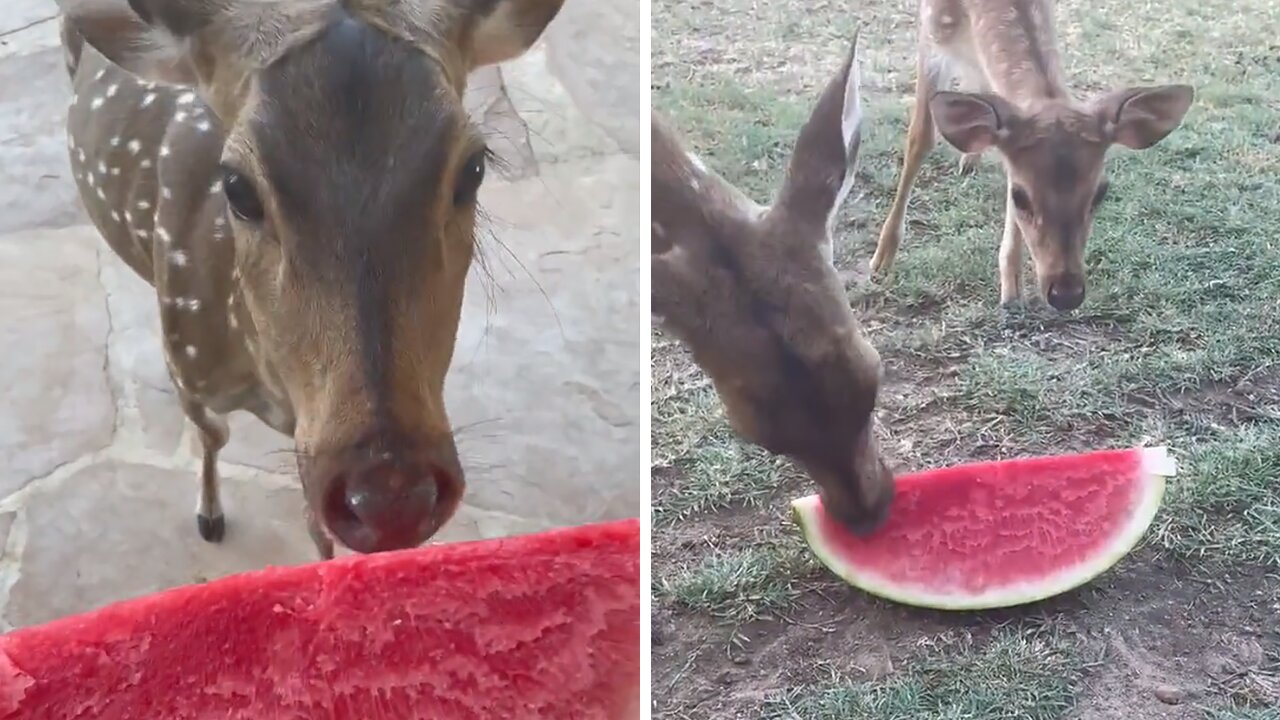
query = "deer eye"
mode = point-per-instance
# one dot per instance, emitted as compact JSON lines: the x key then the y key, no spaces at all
{"x":241,"y":196}
{"x":469,"y":178}
{"x":1101,"y":193}
{"x":1021,"y":200}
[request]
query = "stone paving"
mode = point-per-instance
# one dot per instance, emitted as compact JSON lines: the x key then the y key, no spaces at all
{"x":97,"y":466}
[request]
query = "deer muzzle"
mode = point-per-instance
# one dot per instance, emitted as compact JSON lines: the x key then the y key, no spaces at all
{"x":381,"y":495}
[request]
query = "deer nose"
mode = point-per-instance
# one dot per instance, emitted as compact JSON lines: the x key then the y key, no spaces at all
{"x":385,"y":507}
{"x":1066,"y":294}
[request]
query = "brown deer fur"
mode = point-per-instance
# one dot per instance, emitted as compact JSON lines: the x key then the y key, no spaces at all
{"x":298,"y":179}
{"x":754,"y":295}
{"x":1004,"y":53}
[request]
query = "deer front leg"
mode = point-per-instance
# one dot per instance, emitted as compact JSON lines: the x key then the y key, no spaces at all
{"x":920,"y":141}
{"x":324,"y":544}
{"x":214,"y":434}
{"x":1010,"y":254}
{"x":969,"y":163}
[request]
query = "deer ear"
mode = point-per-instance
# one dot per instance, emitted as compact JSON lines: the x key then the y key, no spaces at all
{"x":1143,"y":116}
{"x":149,"y":38}
{"x":825,"y":158}
{"x":506,"y":28}
{"x":972,"y":122}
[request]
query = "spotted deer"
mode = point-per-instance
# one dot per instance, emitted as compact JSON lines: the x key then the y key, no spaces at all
{"x":297,"y":179}
{"x":753,"y":293}
{"x":1004,"y":55}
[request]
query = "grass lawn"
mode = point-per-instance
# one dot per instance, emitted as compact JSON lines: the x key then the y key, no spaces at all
{"x":1178,"y":343}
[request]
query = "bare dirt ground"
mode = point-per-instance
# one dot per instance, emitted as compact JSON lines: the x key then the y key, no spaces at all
{"x":1178,"y":343}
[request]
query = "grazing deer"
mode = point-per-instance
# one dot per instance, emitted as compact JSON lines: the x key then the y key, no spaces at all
{"x":1005,"y":55}
{"x":297,"y":179}
{"x":753,"y":293}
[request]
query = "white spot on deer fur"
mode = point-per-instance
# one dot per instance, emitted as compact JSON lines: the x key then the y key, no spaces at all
{"x":111,"y":91}
{"x":216,"y":187}
{"x":145,"y":235}
{"x":88,"y":177}
{"x":165,"y":151}
{"x":115,"y":141}
{"x":98,"y":77}
{"x":186,"y":98}
{"x":102,"y":167}
{"x":180,"y":116}
{"x":190,"y":350}
{"x":115,"y":171}
{"x":219,"y":222}
{"x":166,"y":193}
{"x":135,"y":146}
{"x":102,"y":195}
{"x":81,"y":155}
{"x":192,"y":304}
{"x":128,"y":217}
{"x":97,"y":103}
{"x":163,"y":235}
{"x":178,"y":258}
{"x":204,"y":126}
{"x":145,"y":163}
{"x":148,"y":99}
{"x":115,"y":215}
{"x":144,"y":205}
{"x":232,"y":321}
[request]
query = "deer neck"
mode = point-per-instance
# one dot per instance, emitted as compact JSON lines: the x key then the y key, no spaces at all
{"x":1017,"y":47}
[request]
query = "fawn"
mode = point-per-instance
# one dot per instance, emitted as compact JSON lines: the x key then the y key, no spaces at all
{"x":297,"y":179}
{"x":1004,"y":53}
{"x":753,"y":293}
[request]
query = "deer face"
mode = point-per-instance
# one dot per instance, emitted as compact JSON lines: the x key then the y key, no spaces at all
{"x":349,"y":171}
{"x":1054,"y":157}
{"x":753,"y":293}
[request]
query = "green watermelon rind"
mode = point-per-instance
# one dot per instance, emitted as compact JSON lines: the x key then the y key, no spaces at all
{"x":1157,"y":465}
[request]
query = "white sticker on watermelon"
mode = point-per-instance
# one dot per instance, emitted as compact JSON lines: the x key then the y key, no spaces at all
{"x":1158,"y":461}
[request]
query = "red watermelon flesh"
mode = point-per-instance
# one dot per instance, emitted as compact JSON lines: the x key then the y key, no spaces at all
{"x":997,"y":534}
{"x":538,"y":626}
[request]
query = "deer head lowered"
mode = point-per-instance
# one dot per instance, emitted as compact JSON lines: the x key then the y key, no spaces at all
{"x":298,"y":179}
{"x":753,"y":293}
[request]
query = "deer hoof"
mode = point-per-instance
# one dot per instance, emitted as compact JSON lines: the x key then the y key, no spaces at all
{"x":1012,"y":310}
{"x":212,"y":529}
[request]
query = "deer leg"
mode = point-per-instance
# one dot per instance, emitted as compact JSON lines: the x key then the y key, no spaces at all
{"x":920,"y":141}
{"x":969,"y":163}
{"x":324,"y":544}
{"x":214,"y":434}
{"x":1010,"y":255}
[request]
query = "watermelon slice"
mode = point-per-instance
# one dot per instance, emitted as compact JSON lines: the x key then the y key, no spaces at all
{"x":538,"y":626}
{"x":998,"y":534}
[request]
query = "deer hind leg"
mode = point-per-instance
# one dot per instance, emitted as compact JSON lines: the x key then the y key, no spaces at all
{"x":970,"y":79}
{"x":214,"y":434}
{"x":920,"y":141}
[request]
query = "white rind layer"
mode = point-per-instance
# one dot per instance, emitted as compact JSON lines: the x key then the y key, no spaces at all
{"x":1157,"y":465}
